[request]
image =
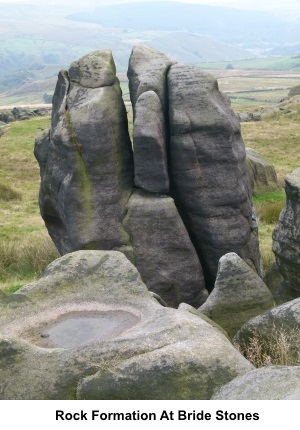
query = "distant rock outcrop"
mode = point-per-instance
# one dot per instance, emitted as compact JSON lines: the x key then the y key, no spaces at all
{"x":89,"y":329}
{"x":261,"y":172}
{"x":177,"y":202}
{"x":21,"y":113}
{"x":294,"y":91}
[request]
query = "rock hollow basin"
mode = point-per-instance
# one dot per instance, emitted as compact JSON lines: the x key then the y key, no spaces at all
{"x":74,"y":326}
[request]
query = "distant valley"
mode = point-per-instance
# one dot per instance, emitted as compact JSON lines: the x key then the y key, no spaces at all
{"x":35,"y":42}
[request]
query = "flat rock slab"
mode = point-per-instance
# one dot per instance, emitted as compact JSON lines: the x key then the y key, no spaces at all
{"x":89,"y":329}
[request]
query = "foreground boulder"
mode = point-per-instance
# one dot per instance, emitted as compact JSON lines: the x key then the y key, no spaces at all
{"x":239,"y":294}
{"x":286,"y":236}
{"x":283,"y":319}
{"x":89,"y":329}
{"x":267,"y":383}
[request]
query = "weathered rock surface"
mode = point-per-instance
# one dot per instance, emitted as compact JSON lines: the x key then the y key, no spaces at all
{"x":238,"y":295}
{"x":147,"y":71}
{"x":88,"y":171}
{"x":278,"y":287}
{"x":208,"y":169}
{"x":286,"y":236}
{"x":261,"y":172}
{"x":267,"y":383}
{"x":89,"y":329}
{"x":163,"y":251}
{"x":284,"y":318}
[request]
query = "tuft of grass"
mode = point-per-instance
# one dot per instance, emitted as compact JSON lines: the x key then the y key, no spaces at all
{"x":268,"y":207}
{"x":280,"y":348}
{"x":24,"y":260}
{"x":268,"y":212}
{"x":7,"y":193}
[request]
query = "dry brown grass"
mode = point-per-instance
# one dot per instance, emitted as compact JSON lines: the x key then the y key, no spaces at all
{"x":280,"y":348}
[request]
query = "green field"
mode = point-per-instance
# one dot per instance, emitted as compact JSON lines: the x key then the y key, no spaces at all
{"x":291,"y":63}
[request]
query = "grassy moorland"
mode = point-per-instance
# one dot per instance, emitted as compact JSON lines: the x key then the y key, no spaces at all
{"x":25,"y":247}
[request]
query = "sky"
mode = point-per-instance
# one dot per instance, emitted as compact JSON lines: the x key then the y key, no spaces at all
{"x":267,"y":5}
{"x":289,"y":9}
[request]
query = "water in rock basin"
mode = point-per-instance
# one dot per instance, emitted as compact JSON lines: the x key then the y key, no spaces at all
{"x":81,"y":328}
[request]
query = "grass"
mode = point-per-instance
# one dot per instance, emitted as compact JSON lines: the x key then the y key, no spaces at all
{"x":268,"y":207}
{"x":24,"y":259}
{"x":266,"y":63}
{"x":280,"y":348}
{"x":7,"y":193}
{"x":25,"y":247}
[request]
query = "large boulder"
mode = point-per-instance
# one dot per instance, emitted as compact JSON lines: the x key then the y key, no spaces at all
{"x":261,"y":172}
{"x":89,"y":329}
{"x":208,"y":170}
{"x":87,"y":173}
{"x":163,"y":251}
{"x":239,"y":294}
{"x":277,"y":332}
{"x":267,"y":383}
{"x":286,"y":236}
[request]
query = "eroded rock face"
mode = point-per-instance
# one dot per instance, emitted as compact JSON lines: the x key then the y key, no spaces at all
{"x":183,"y":202}
{"x":286,"y":236}
{"x":89,"y":329}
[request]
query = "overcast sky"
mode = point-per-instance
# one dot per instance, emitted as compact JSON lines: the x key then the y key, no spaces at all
{"x":270,"y":5}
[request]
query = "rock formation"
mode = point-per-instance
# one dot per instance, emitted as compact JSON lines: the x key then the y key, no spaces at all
{"x":286,"y":236}
{"x":238,"y":295}
{"x":89,"y":329}
{"x":177,"y":202}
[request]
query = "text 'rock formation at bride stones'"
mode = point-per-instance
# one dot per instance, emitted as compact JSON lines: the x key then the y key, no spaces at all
{"x":175,"y":200}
